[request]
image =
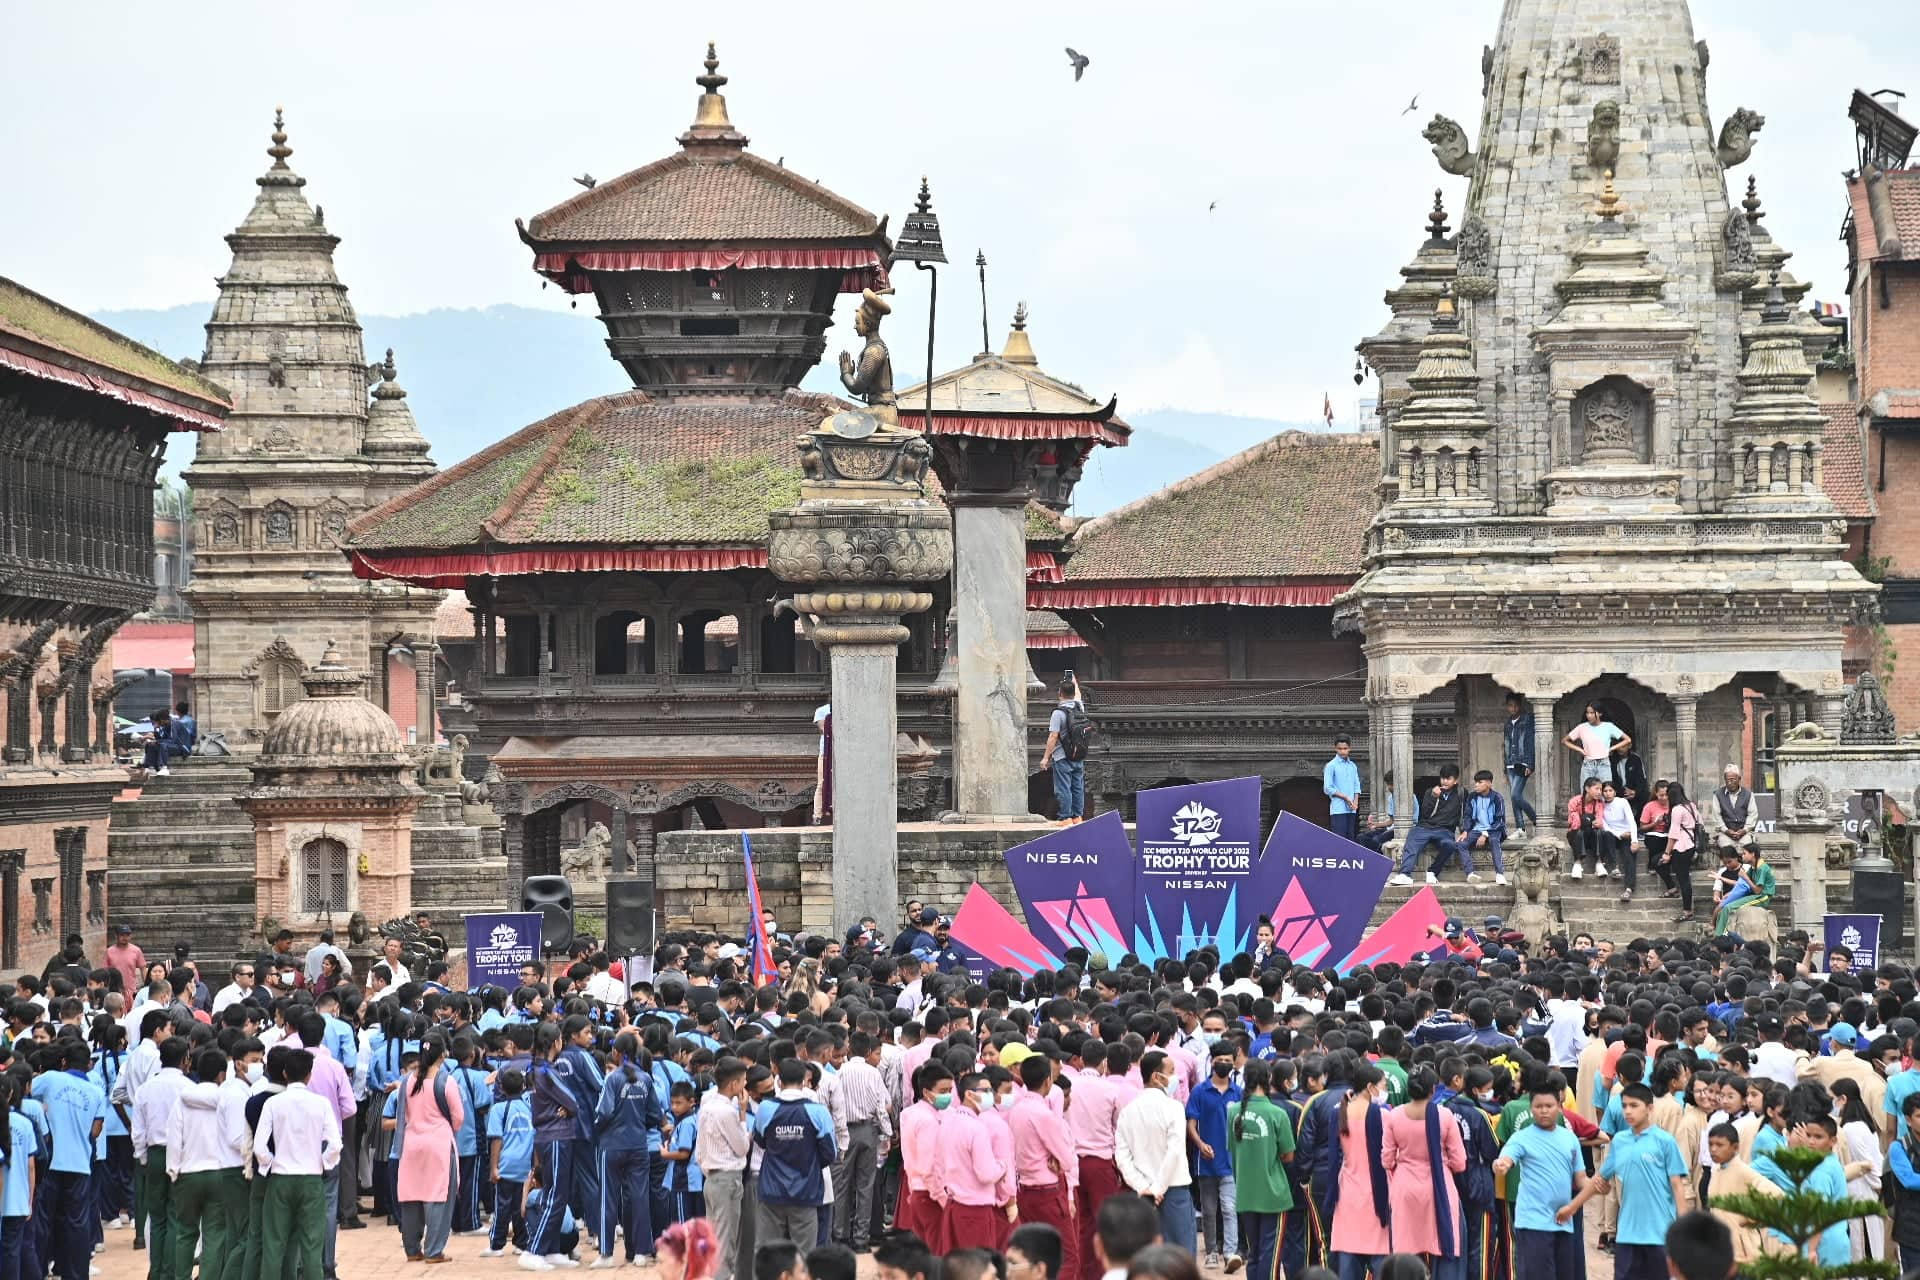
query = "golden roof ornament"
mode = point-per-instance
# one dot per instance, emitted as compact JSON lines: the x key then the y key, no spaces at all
{"x":1609,"y":207}
{"x":710,"y":122}
{"x":1019,"y":348}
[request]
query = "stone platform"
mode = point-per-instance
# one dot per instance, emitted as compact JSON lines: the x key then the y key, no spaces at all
{"x":180,"y":862}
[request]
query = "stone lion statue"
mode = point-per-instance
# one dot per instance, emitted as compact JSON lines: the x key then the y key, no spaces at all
{"x":1532,"y":913}
{"x":1603,"y":135}
{"x":1736,"y":137}
{"x":1450,"y":145}
{"x":591,"y":858}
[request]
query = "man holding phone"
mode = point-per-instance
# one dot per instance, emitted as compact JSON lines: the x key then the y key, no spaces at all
{"x":1068,"y":732}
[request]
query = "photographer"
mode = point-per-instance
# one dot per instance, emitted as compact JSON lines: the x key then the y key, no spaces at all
{"x":1068,"y":734}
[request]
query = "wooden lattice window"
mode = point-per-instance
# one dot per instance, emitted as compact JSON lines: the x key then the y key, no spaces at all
{"x":323,"y":876}
{"x":279,"y":685}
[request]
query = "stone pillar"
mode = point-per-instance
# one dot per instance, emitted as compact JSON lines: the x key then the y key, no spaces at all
{"x":426,"y":728}
{"x":514,"y":841}
{"x":1827,"y":711}
{"x":990,"y":612}
{"x":1400,"y":737}
{"x":1686,"y":732}
{"x":860,"y":548}
{"x":1542,"y":788}
{"x":1807,"y":867}
{"x":619,"y":828}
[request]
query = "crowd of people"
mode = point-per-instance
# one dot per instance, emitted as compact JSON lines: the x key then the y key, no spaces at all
{"x":1110,"y":1119}
{"x":1614,"y":818}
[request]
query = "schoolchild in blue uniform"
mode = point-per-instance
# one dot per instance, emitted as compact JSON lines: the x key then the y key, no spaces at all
{"x":629,"y":1120}
{"x":510,"y":1135}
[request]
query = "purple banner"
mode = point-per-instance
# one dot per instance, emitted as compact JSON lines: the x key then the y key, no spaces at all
{"x":1199,"y":844}
{"x":1076,"y":886}
{"x":1319,"y":889}
{"x":498,"y":943}
{"x":1858,"y":934}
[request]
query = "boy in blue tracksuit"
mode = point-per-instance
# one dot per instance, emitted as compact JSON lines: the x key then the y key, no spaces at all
{"x":476,"y":1098}
{"x":795,"y":1135}
{"x":628,"y":1118}
{"x":510,"y":1134}
{"x":684,"y":1180}
{"x":580,"y":1075}
{"x":666,"y":1074}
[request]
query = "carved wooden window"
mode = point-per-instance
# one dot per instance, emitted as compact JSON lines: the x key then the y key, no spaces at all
{"x":43,"y":905}
{"x":12,"y":863}
{"x":70,"y":845}
{"x":323,"y":876}
{"x":656,"y":294}
{"x":279,"y":685}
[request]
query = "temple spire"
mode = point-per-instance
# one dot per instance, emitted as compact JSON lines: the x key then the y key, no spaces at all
{"x":711,"y":127}
{"x":1019,"y":348}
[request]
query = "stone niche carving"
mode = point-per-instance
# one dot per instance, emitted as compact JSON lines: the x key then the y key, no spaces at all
{"x":278,"y":523}
{"x":1600,"y":60}
{"x":1612,"y":422}
{"x":1474,"y":258}
{"x":226,"y":529}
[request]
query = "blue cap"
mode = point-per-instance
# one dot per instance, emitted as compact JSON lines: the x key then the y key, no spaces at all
{"x":1843,"y":1033}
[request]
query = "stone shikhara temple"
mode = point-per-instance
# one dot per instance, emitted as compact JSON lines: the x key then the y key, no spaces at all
{"x":1601,"y":463}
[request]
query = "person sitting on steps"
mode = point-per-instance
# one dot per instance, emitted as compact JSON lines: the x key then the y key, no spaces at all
{"x":1587,"y":833}
{"x":1435,"y":821}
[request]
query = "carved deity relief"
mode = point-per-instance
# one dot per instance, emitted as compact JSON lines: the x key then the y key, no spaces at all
{"x":1611,"y":419}
{"x":279,"y":526}
{"x":226,"y":530}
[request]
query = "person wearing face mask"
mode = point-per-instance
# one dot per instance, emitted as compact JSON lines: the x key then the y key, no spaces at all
{"x":923,"y":1194}
{"x":1044,"y":1162}
{"x":1004,"y":1095}
{"x":1150,"y":1147}
{"x":971,"y":1170}
{"x":1207,"y":1110}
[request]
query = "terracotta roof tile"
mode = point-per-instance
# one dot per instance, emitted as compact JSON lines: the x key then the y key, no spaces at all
{"x":1903,"y":193}
{"x":40,"y":319}
{"x":1290,"y":507}
{"x":680,"y":198}
{"x":620,"y":470}
{"x":452,"y":621}
{"x":1844,"y":469}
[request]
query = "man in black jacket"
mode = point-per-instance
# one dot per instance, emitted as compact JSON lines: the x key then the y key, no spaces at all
{"x":1438,"y":818}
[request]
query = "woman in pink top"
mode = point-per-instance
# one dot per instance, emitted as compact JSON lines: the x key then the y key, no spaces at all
{"x":427,"y":1119}
{"x":1655,"y":816}
{"x":1683,"y":839}
{"x":1422,"y":1150}
{"x":925,"y":1192}
{"x":1359,"y":1229}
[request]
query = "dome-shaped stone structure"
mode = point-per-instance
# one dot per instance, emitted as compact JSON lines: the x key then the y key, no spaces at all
{"x":333,"y":720}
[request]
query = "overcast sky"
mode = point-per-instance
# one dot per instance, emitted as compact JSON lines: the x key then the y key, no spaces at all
{"x":426,"y":128}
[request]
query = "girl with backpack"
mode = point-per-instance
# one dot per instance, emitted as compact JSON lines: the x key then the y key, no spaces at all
{"x":476,"y":1096}
{"x":428,"y":1119}
{"x":554,"y":1150}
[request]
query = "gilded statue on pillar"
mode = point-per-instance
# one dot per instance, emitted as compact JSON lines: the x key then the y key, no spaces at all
{"x":871,"y":377}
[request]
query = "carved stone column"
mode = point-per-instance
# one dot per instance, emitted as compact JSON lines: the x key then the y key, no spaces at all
{"x":426,"y":731}
{"x":513,"y":838}
{"x":1400,"y":732}
{"x":1828,"y":710}
{"x":1807,"y":866}
{"x":1542,"y":788}
{"x":1686,"y":732}
{"x":990,"y":611}
{"x":860,"y":545}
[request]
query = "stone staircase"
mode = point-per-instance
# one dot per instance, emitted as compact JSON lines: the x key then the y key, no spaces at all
{"x":180,"y":862}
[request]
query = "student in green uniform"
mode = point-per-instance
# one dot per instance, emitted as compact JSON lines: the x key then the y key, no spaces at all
{"x":1260,"y":1138}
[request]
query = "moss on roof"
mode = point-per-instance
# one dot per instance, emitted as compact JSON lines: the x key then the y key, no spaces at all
{"x":41,"y":319}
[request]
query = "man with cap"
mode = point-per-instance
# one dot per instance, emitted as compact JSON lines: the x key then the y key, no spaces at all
{"x":1460,"y":944}
{"x":1735,"y":813}
{"x":125,"y":958}
{"x":1845,"y":1063}
{"x":945,"y":957}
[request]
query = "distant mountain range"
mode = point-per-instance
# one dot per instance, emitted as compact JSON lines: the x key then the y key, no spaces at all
{"x":473,"y":377}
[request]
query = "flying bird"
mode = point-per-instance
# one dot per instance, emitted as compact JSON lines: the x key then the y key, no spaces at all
{"x":1210,"y":205}
{"x":1412,"y":106}
{"x":588,"y":181}
{"x":1078,"y":61}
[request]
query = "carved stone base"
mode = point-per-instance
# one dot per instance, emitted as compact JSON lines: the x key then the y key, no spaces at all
{"x":1613,"y":491}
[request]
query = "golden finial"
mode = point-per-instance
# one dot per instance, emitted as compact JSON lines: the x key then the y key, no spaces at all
{"x":1019,"y":348}
{"x":711,"y":115}
{"x":279,"y":150}
{"x":1609,"y":207}
{"x":1445,"y":318}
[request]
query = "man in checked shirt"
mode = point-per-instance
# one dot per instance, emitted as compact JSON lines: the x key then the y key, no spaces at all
{"x":868,"y":1103}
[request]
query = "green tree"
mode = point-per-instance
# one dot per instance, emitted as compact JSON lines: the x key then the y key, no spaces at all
{"x":1801,"y":1215}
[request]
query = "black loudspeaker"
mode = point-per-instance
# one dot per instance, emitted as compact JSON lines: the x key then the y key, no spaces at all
{"x":629,"y":918}
{"x":552,"y":897}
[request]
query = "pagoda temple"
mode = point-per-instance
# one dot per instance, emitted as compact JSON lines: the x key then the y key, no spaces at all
{"x":630,"y":667}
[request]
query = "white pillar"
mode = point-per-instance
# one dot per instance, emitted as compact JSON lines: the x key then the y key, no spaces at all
{"x":866,"y":840}
{"x":990,"y":611}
